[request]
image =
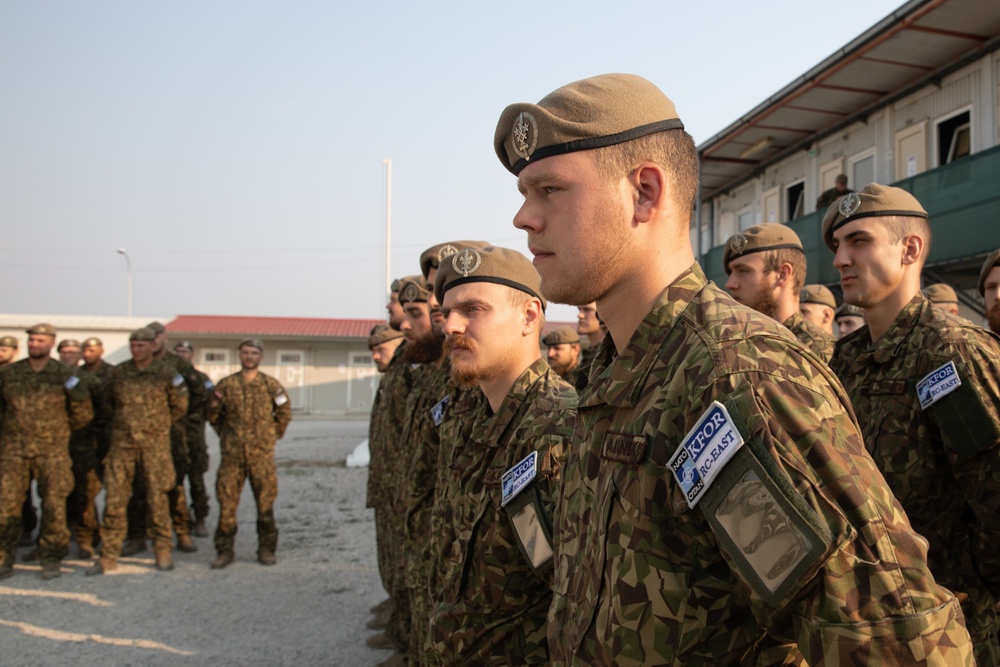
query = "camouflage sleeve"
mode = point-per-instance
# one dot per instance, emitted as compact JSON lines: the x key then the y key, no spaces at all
{"x":282,"y":407}
{"x":197,"y":393}
{"x":79,"y":407}
{"x":216,"y":408}
{"x":177,"y":396}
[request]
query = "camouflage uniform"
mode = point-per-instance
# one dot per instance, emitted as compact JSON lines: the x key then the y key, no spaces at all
{"x":796,"y":541}
{"x":88,"y":447}
{"x":579,"y":375}
{"x":493,"y":600}
{"x":194,"y":428}
{"x":250,"y":417}
{"x":38,"y":410}
{"x":942,"y":462}
{"x":819,"y":341}
{"x":144,"y":403}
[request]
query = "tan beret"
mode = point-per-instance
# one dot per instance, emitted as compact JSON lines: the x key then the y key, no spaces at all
{"x":501,"y":266}
{"x":42,"y":330}
{"x":93,"y":341}
{"x":601,"y":111}
{"x":758,"y":238}
{"x":382,"y":333}
{"x":940,"y":293}
{"x":561,"y":335}
{"x":8,"y":341}
{"x":848,"y":310}
{"x":395,"y":286}
{"x":992,"y":259}
{"x":413,"y":289}
{"x":818,"y":294}
{"x":156,"y":327}
{"x":874,"y":201}
{"x":431,"y":258}
{"x":184,"y":345}
{"x":145,"y":335}
{"x":251,"y":342}
{"x":67,"y":342}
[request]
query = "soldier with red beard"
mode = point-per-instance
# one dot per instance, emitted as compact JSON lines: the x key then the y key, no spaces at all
{"x":989,"y":287}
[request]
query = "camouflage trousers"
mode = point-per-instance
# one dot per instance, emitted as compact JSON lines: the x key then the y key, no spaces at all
{"x":233,"y":472}
{"x":198,"y":466}
{"x":123,"y":466}
{"x":81,"y":504}
{"x":138,"y":511}
{"x":417,"y":575}
{"x":55,"y":480}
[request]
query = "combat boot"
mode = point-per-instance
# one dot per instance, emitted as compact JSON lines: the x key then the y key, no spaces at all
{"x":83,"y":551}
{"x":7,"y":567}
{"x":101,"y":566}
{"x":199,"y":529}
{"x":30,"y":557}
{"x":222,"y":560}
{"x":134,"y":545}
{"x":164,"y":563}
{"x":51,"y":570}
{"x":266,"y":557}
{"x":186,"y":544}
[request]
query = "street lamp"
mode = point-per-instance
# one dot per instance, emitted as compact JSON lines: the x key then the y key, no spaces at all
{"x":128,"y":291}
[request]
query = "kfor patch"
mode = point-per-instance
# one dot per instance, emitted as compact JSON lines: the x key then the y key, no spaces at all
{"x":706,"y":449}
{"x":937,"y":384}
{"x":518,"y":477}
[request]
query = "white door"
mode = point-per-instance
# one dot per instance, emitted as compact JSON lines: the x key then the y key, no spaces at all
{"x":862,"y":170}
{"x":828,"y":175}
{"x":291,"y":368}
{"x":772,"y":205}
{"x":363,"y":382}
{"x":911,"y":151}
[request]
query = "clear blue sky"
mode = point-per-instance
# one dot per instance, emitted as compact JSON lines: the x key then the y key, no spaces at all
{"x":235,"y":148}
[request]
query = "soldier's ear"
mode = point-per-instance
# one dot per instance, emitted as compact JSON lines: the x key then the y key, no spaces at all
{"x":913,"y":249}
{"x":532,"y":315}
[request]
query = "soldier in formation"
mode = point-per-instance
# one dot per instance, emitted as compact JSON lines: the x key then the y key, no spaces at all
{"x":989,"y":289}
{"x":818,"y":306}
{"x":564,"y":352}
{"x":848,"y":319}
{"x":194,"y":434}
{"x":943,"y":296}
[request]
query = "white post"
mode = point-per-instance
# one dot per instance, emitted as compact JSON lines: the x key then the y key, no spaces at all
{"x":388,"y":226}
{"x":128,"y":289}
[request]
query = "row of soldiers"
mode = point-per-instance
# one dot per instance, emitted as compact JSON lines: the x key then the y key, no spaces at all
{"x":721,"y":484}
{"x":138,"y":429}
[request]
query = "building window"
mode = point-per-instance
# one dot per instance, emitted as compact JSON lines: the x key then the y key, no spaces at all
{"x":954,"y":138}
{"x":293,"y":358}
{"x":744,"y":218}
{"x":795,"y":200}
{"x":215,"y":356}
{"x":361,"y":359}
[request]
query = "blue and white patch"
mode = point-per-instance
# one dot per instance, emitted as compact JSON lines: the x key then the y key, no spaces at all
{"x":518,"y":477}
{"x":177,"y":381}
{"x":209,"y":386}
{"x":938,"y":383}
{"x":280,"y":399}
{"x":437,"y":412}
{"x":71,"y":382}
{"x":705,"y":451}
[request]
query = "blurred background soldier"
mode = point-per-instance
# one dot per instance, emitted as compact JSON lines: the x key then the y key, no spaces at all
{"x":41,"y":402}
{"x":29,"y":517}
{"x":943,"y":296}
{"x":197,"y":448}
{"x":392,"y":308}
{"x":588,"y":325}
{"x":70,"y":352}
{"x":849,"y":319}
{"x":838,"y":190}
{"x":250,"y":411}
{"x":145,"y":397}
{"x":8,"y":350}
{"x":989,"y":288}
{"x":818,"y":306}
{"x":564,"y":352}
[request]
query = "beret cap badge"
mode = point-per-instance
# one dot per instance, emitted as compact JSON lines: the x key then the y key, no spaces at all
{"x":525,"y":135}
{"x":738,"y":244}
{"x":409,"y":293}
{"x":849,"y":204}
{"x":466,"y":262}
{"x":445,"y":250}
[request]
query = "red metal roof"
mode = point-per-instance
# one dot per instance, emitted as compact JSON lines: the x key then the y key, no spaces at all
{"x":271,"y":326}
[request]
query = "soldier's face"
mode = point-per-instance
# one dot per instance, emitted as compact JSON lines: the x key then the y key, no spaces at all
{"x":586,"y":320}
{"x":395,"y":311}
{"x":578,"y":224}
{"x":40,"y":345}
{"x":416,"y":321}
{"x":161,"y":340}
{"x":70,"y":355}
{"x":817,"y":314}
{"x":184,"y":353}
{"x":142,"y":350}
{"x":753,"y":286}
{"x":7,"y":353}
{"x":992,"y":295}
{"x":382,"y":354}
{"x":250,"y":357}
{"x":563,"y":357}
{"x":848,"y":324}
{"x":483,"y":331}
{"x":437,"y":319}
{"x":871,"y":266}
{"x":92,"y":353}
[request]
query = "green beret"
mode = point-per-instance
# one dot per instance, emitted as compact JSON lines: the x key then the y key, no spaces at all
{"x":501,"y":266}
{"x":874,"y":201}
{"x":848,"y":310}
{"x":431,"y":258}
{"x":382,"y":333}
{"x":8,"y":341}
{"x":601,"y":111}
{"x":940,"y":293}
{"x":413,"y":289}
{"x":818,"y":294}
{"x":41,"y":330}
{"x":758,"y":238}
{"x":145,"y":334}
{"x":395,"y":286}
{"x":67,"y":342}
{"x":251,"y":342}
{"x":184,"y":345}
{"x":93,"y":342}
{"x":156,"y":327}
{"x":561,"y":335}
{"x":992,"y":259}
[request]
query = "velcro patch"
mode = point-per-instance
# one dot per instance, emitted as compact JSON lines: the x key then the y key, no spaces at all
{"x":218,"y":395}
{"x":437,"y":412}
{"x":177,"y":381}
{"x":706,"y":449}
{"x":281,"y":399}
{"x":72,"y":382}
{"x":208,"y":385}
{"x":518,"y":477}
{"x":625,"y":448}
{"x":937,"y":384}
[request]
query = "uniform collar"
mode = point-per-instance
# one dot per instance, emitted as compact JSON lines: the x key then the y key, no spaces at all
{"x":898,"y":333}
{"x":490,"y":429}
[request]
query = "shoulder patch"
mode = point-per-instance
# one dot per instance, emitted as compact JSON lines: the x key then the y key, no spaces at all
{"x":177,"y":381}
{"x":437,"y":412}
{"x":71,"y":382}
{"x":706,"y":449}
{"x":209,"y":386}
{"x":280,"y":398}
{"x":937,"y":384}
{"x":518,"y":477}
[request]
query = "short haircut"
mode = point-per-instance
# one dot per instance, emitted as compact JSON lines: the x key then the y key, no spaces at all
{"x":773,"y":259}
{"x":673,"y":150}
{"x":905,"y":225}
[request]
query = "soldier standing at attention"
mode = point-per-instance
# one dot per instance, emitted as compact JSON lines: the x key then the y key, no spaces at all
{"x":194,"y":429}
{"x":496,"y":587}
{"x":943,"y":296}
{"x":925,"y":385}
{"x":8,"y":350}
{"x":250,"y":411}
{"x":588,"y":324}
{"x":989,"y":288}
{"x":41,"y":403}
{"x":818,"y":306}
{"x":563,"y":352}
{"x":848,"y":318}
{"x":29,"y":518}
{"x":144,"y":397}
{"x":718,"y":506}
{"x":767,"y":268}
{"x":70,"y":352}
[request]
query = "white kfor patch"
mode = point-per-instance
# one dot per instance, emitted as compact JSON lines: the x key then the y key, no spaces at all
{"x":518,"y":477}
{"x":706,"y":449}
{"x":939,"y":382}
{"x":72,"y":382}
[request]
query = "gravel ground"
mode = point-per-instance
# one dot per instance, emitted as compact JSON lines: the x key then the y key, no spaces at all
{"x":309,"y":609}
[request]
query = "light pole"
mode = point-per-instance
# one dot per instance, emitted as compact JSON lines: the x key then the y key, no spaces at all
{"x":128,"y":291}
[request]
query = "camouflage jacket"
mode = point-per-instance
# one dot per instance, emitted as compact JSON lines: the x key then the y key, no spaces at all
{"x":494,"y":600}
{"x":385,"y":424}
{"x":39,"y":409}
{"x":793,"y":532}
{"x":927,"y":393}
{"x":579,"y":376}
{"x":144,"y":403}
{"x":85,"y":440}
{"x":198,"y":392}
{"x":197,"y":413}
{"x":819,"y":341}
{"x":250,"y":417}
